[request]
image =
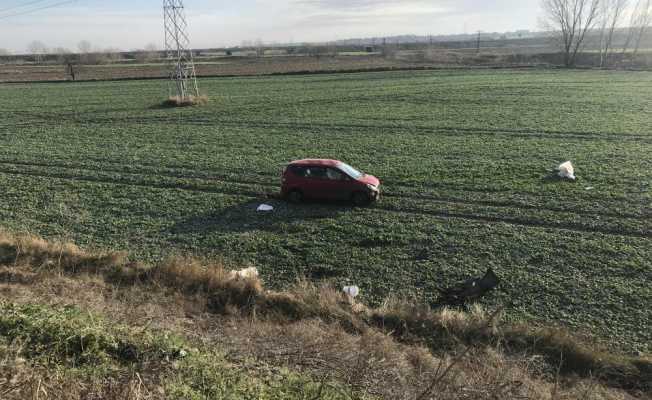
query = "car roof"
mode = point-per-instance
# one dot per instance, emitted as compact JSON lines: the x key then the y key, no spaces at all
{"x":317,"y":162}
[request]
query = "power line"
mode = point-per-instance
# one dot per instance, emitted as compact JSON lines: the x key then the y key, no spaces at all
{"x":29,"y":3}
{"x":37,"y":9}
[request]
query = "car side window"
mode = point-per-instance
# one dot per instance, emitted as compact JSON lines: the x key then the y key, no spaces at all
{"x":298,"y":170}
{"x":334,"y":175}
{"x":316,"y":173}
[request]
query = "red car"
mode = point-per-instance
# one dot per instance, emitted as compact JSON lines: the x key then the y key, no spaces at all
{"x":328,"y":180}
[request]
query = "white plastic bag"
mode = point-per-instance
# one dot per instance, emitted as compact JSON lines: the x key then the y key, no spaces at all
{"x":566,"y":171}
{"x":265,"y":208}
{"x":351,"y":291}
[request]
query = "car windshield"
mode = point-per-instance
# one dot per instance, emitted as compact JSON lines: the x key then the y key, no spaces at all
{"x":350,"y":171}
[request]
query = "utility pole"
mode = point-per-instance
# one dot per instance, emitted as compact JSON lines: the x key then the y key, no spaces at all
{"x":178,"y":52}
{"x":477,"y":47}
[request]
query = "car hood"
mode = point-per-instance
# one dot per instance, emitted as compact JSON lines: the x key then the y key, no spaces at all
{"x":369,"y":180}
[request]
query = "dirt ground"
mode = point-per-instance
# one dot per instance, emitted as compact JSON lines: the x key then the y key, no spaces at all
{"x":246,"y":66}
{"x":223,"y":67}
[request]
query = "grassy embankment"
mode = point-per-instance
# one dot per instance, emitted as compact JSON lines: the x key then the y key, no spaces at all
{"x":80,"y":325}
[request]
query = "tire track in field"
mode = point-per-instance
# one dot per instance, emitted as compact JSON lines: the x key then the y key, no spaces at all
{"x":127,"y":182}
{"x":70,"y":166}
{"x":447,"y":130}
{"x":433,"y":213}
{"x":262,"y":175}
{"x":226,"y":179}
{"x":517,"y":222}
{"x":436,"y":130}
{"x":508,"y":204}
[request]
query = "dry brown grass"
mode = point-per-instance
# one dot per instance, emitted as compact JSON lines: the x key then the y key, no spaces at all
{"x":372,"y":361}
{"x":568,"y":355}
{"x":376,"y":363}
{"x":176,"y":101}
{"x":225,"y":293}
{"x":20,"y":381}
{"x":34,"y":251}
{"x":333,"y":334}
{"x":306,"y":300}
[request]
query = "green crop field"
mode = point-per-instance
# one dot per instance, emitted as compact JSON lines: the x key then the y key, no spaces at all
{"x":464,"y":156}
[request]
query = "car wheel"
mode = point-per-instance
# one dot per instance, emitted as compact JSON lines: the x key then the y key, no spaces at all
{"x":295,"y":196}
{"x":361,"y":199}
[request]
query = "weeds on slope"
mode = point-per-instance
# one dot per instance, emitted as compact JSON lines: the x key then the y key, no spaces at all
{"x":442,"y":331}
{"x":67,"y":353}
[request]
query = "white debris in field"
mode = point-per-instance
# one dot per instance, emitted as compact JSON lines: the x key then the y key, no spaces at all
{"x":589,"y":188}
{"x":567,"y":171}
{"x":265,"y":208}
{"x":247,"y":273}
{"x":351,"y":291}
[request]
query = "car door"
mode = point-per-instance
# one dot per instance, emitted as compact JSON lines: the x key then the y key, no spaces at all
{"x":337,"y":185}
{"x":313,"y":182}
{"x":295,"y":178}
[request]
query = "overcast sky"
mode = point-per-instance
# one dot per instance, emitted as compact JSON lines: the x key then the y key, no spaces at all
{"x":130,"y":24}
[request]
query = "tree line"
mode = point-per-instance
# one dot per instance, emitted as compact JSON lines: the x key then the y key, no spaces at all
{"x":571,"y":21}
{"x":86,"y":53}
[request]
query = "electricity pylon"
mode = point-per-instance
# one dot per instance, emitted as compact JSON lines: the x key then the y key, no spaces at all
{"x":177,"y":51}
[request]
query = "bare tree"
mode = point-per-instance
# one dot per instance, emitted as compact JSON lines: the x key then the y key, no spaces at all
{"x":260,"y":47}
{"x":38,"y":49}
{"x":66,"y":58}
{"x":612,"y":13}
{"x":85,"y":47}
{"x":63,"y":54}
{"x":639,"y":24}
{"x":152,"y":51}
{"x":570,"y":20}
{"x":112,"y":54}
{"x":331,"y":49}
{"x":96,"y":55}
{"x":149,"y":53}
